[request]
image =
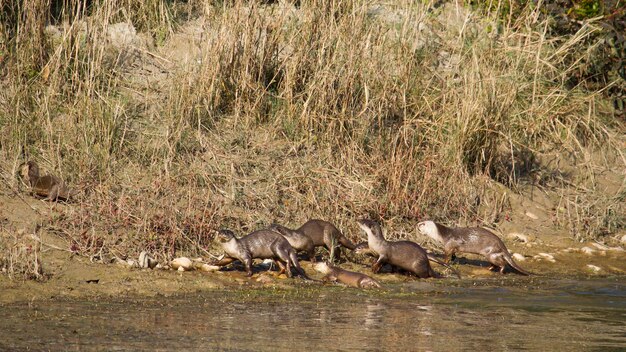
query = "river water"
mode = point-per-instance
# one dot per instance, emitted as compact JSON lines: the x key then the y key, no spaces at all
{"x":508,"y":314}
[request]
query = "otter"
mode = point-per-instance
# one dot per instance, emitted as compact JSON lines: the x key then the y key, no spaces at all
{"x":474,"y":240}
{"x":323,"y":233}
{"x":50,"y":187}
{"x":406,"y":255}
{"x":263,"y":244}
{"x":349,"y":278}
{"x":297,"y":240}
{"x":364,"y":248}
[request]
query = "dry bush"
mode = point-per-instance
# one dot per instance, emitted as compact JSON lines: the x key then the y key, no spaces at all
{"x":251,"y":113}
{"x":20,"y":256}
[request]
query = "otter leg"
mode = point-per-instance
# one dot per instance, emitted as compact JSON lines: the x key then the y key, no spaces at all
{"x":502,"y":269}
{"x":54,"y":193}
{"x":289,"y":274}
{"x":281,"y":266}
{"x":379,"y":263}
{"x":329,"y":278}
{"x":311,"y":253}
{"x":248,"y":263}
{"x":448,"y":254}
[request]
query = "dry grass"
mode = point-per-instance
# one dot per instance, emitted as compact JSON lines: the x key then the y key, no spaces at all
{"x":251,"y":113}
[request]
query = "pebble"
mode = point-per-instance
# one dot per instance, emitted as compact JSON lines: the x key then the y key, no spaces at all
{"x":531,"y":215}
{"x":518,"y":237}
{"x":518,"y":257}
{"x":182,"y":262}
{"x":208,"y":267}
{"x":623,"y":239}
{"x":546,"y":256}
{"x":588,"y":250}
{"x":594,"y":268}
{"x":600,"y":246}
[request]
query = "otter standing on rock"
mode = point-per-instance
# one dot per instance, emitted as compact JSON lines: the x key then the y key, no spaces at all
{"x":350,"y":278}
{"x":474,"y":240}
{"x":406,"y":255}
{"x":49,"y":186}
{"x":323,"y":233}
{"x":263,"y":244}
{"x":297,"y":240}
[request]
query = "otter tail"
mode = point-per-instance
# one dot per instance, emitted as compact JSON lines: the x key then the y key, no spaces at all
{"x":436,"y":260}
{"x":294,"y":261}
{"x":346,"y":243}
{"x":514,"y":265}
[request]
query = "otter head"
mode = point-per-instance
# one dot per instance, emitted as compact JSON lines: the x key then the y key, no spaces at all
{"x":370,"y":227}
{"x":429,"y":228}
{"x":277,"y":228}
{"x":33,"y":169}
{"x":322,"y":267}
{"x":363,"y":248}
{"x":224,"y":235}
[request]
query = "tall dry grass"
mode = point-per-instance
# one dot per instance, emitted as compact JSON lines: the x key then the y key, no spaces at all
{"x":240,"y":113}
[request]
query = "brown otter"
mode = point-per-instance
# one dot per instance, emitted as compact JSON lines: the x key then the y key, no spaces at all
{"x":349,"y":278}
{"x":263,"y":244}
{"x":471,"y":240}
{"x":364,"y":248}
{"x":49,"y":186}
{"x":323,"y":233}
{"x":406,"y":255}
{"x":297,"y":240}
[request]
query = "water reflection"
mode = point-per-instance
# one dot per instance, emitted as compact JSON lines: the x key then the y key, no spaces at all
{"x":558,"y":316}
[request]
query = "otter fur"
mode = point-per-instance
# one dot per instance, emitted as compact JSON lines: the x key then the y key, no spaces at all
{"x":474,"y":240}
{"x":50,"y":187}
{"x":297,"y":240}
{"x":349,"y":278}
{"x":322,"y":233}
{"x":406,"y":255}
{"x":263,"y":244}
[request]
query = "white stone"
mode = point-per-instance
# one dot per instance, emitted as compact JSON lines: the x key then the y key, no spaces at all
{"x":518,"y":237}
{"x":600,"y":246}
{"x":531,"y":215}
{"x":518,"y":257}
{"x":594,"y":268}
{"x":548,"y":257}
{"x":208,"y":267}
{"x":588,"y":250}
{"x":182,"y":262}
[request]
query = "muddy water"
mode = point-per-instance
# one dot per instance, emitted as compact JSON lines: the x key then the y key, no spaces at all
{"x":488,"y":314}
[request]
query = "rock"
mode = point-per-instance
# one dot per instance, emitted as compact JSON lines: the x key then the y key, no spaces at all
{"x":594,"y":268}
{"x":546,"y":256}
{"x":531,"y":215}
{"x":131,"y":263}
{"x":207,"y":267}
{"x":122,"y":35}
{"x":623,"y":239}
{"x":600,"y":246}
{"x":182,"y":262}
{"x":588,"y":250}
{"x":518,"y":237}
{"x":264,"y":279}
{"x":518,"y":257}
{"x":143,"y":259}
